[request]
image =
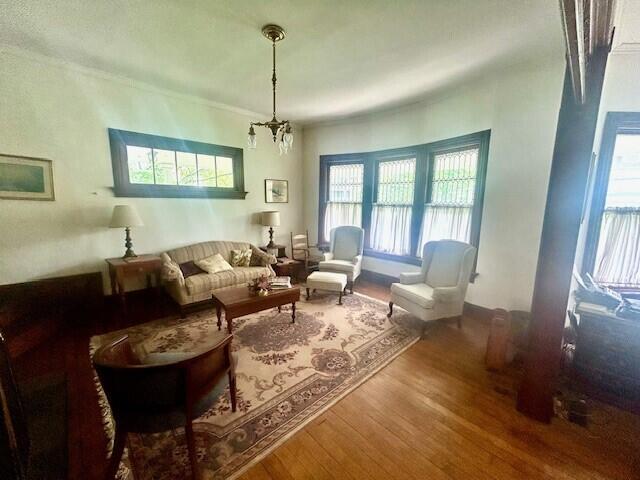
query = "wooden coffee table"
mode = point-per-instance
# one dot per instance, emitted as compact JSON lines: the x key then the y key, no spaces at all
{"x":239,"y":301}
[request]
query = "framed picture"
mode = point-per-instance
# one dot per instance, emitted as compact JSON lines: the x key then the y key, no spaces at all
{"x":276,"y":191}
{"x":26,"y":178}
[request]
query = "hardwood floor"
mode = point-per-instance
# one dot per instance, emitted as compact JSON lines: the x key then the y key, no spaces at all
{"x":434,"y":412}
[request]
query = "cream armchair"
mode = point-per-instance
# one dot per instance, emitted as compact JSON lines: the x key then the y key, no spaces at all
{"x":438,"y":290}
{"x":345,"y":254}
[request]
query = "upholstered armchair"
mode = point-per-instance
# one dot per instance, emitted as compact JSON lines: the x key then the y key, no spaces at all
{"x":345,"y":253}
{"x":438,"y":289}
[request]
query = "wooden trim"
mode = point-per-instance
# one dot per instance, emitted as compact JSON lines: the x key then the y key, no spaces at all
{"x":615,"y":123}
{"x":120,"y":139}
{"x":563,"y":212}
{"x":476,"y":311}
{"x":32,"y":312}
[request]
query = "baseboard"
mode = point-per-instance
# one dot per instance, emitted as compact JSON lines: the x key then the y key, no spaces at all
{"x":476,"y":311}
{"x":379,"y":278}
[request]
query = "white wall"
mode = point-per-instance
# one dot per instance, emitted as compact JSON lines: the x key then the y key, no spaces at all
{"x":61,"y":112}
{"x":520,"y":105}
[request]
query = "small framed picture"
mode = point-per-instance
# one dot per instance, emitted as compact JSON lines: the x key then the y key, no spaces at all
{"x":276,"y":191}
{"x":26,"y":178}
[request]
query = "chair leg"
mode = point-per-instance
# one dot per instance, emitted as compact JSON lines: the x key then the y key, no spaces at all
{"x":232,"y":390}
{"x":308,"y":294}
{"x":340,"y":298}
{"x":390,"y":310}
{"x":351,"y":286}
{"x":459,"y":320}
{"x":424,"y":331}
{"x":118,"y":448}
{"x":191,"y":446}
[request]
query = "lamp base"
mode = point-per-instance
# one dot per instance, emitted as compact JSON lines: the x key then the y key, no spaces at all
{"x":128,"y":243}
{"x":271,"y":243}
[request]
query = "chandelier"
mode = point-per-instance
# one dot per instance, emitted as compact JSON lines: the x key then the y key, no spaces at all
{"x":281,"y":130}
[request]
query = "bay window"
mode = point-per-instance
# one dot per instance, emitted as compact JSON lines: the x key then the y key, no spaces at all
{"x":405,"y":197}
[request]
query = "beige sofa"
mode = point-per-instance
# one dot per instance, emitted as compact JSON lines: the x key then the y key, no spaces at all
{"x":198,"y":288}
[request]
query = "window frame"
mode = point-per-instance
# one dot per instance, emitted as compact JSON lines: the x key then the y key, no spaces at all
{"x":424,"y":155}
{"x":120,"y":139}
{"x":616,"y":123}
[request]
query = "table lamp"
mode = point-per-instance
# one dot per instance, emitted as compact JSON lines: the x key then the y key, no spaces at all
{"x":271,"y":219}
{"x":125,"y":216}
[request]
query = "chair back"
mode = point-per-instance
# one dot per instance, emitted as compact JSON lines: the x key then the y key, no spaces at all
{"x":135,"y":388}
{"x":14,"y":436}
{"x":300,"y":241}
{"x":347,"y":242}
{"x":448,"y":263}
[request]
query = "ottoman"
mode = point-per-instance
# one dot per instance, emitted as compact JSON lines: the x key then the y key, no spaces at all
{"x":333,"y":282}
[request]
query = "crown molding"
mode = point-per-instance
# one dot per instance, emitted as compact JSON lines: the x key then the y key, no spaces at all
{"x":124,"y":80}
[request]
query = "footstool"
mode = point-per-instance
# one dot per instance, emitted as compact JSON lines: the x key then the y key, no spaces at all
{"x":333,"y":282}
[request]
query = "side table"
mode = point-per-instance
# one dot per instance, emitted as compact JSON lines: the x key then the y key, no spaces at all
{"x":120,"y":269}
{"x":287,"y":267}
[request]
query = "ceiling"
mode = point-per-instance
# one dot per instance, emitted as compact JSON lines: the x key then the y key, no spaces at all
{"x":340,"y":57}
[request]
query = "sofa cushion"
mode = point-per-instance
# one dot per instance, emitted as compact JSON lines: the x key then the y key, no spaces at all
{"x":202,"y":250}
{"x":241,"y":258}
{"x":214,"y":264}
{"x":190,"y":269}
{"x":419,"y":293}
{"x":212,"y":281}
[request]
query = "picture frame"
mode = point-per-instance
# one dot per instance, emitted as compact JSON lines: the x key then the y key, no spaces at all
{"x":276,"y":191}
{"x":26,"y":178}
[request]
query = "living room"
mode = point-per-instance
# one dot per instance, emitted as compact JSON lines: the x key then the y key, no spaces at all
{"x":149,"y":118}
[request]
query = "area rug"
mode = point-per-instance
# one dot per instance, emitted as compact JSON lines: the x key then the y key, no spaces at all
{"x":287,"y":374}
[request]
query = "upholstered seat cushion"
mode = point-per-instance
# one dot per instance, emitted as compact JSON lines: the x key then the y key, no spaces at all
{"x":419,"y":293}
{"x":333,"y":282}
{"x":337,"y":266}
{"x":206,"y":282}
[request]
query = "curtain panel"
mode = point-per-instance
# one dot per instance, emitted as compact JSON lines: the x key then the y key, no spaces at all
{"x":445,"y":222}
{"x":341,"y":213}
{"x":618,"y":257}
{"x":391,"y":229}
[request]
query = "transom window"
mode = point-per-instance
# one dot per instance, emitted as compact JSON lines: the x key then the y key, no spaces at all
{"x":408,"y":196}
{"x":148,"y":165}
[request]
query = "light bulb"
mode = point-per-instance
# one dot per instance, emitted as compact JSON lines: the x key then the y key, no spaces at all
{"x":251,"y":138}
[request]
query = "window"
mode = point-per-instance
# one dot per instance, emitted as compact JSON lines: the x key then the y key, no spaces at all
{"x":344,"y":205}
{"x":448,"y":212}
{"x":391,"y":214}
{"x":153,"y":166}
{"x":613,"y":243}
{"x":407,"y":196}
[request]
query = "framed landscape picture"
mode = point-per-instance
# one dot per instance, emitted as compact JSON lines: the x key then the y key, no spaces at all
{"x":26,"y":178}
{"x":276,"y":191}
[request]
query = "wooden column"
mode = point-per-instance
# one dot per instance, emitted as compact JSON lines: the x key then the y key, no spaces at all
{"x":567,"y":188}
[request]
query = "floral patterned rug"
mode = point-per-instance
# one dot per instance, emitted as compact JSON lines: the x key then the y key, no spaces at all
{"x":287,"y":374}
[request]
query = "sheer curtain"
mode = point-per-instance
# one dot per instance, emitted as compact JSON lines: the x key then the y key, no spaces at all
{"x":391,"y":229}
{"x":445,"y":222}
{"x":618,"y":257}
{"x":341,"y":213}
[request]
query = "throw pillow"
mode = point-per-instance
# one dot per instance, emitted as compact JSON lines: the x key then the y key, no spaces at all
{"x":214,"y":264}
{"x":189,"y":269}
{"x":241,"y":258}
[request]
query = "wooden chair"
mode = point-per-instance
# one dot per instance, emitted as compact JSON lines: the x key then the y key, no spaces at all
{"x":163,"y":395}
{"x":302,"y":251}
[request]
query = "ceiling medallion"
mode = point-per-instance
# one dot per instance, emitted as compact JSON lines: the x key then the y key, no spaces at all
{"x":281,"y":130}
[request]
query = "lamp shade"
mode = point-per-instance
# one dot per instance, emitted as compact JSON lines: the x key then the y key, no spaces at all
{"x":271,"y":219}
{"x":125,"y":216}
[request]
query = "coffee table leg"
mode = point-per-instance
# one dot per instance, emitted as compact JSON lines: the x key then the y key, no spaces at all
{"x":219,"y":314}
{"x":279,"y":308}
{"x":293,"y":312}
{"x":308,"y":294}
{"x":229,"y":322}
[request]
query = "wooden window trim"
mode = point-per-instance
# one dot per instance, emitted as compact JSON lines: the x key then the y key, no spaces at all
{"x":615,"y":123}
{"x":120,"y":139}
{"x":424,"y":155}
